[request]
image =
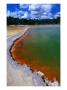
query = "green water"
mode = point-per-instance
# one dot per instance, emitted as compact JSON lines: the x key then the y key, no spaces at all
{"x":41,"y":49}
{"x":43,"y":46}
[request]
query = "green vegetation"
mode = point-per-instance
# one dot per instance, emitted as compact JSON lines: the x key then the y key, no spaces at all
{"x":17,"y":21}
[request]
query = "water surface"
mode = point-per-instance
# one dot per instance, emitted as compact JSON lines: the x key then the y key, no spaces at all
{"x":40,"y":49}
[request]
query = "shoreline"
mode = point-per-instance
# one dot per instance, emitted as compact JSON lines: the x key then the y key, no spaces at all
{"x":49,"y":82}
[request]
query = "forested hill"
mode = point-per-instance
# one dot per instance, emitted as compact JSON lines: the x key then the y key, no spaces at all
{"x":17,"y":21}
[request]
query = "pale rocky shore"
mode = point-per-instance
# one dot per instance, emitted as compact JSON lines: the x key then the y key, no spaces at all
{"x":22,"y":75}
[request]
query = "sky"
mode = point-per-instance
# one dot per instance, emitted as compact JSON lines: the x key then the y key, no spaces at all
{"x":33,"y":11}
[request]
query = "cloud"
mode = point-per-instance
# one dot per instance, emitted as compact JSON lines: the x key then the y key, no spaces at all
{"x":38,"y":10}
{"x":47,"y":16}
{"x":8,"y":13}
{"x":34,"y":7}
{"x":47,"y":8}
{"x":16,"y":14}
{"x":34,"y":11}
{"x":23,"y":6}
{"x":57,"y":15}
{"x":25,"y":15}
{"x":12,"y":14}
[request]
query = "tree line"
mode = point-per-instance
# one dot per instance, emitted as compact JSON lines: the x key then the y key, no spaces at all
{"x":17,"y":21}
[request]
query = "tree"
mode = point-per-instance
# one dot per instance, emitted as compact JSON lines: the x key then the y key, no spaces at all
{"x":17,"y":21}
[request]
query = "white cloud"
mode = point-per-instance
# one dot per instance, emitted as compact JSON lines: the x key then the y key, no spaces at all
{"x":57,"y":15}
{"x":25,"y":15}
{"x":47,"y":16}
{"x":15,"y":13}
{"x":8,"y":13}
{"x":23,"y":6}
{"x":34,"y":11}
{"x":12,"y":14}
{"x":47,"y":7}
{"x":40,"y":10}
{"x":34,"y":6}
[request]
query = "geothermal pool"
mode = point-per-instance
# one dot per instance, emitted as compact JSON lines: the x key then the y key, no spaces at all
{"x":39,"y":48}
